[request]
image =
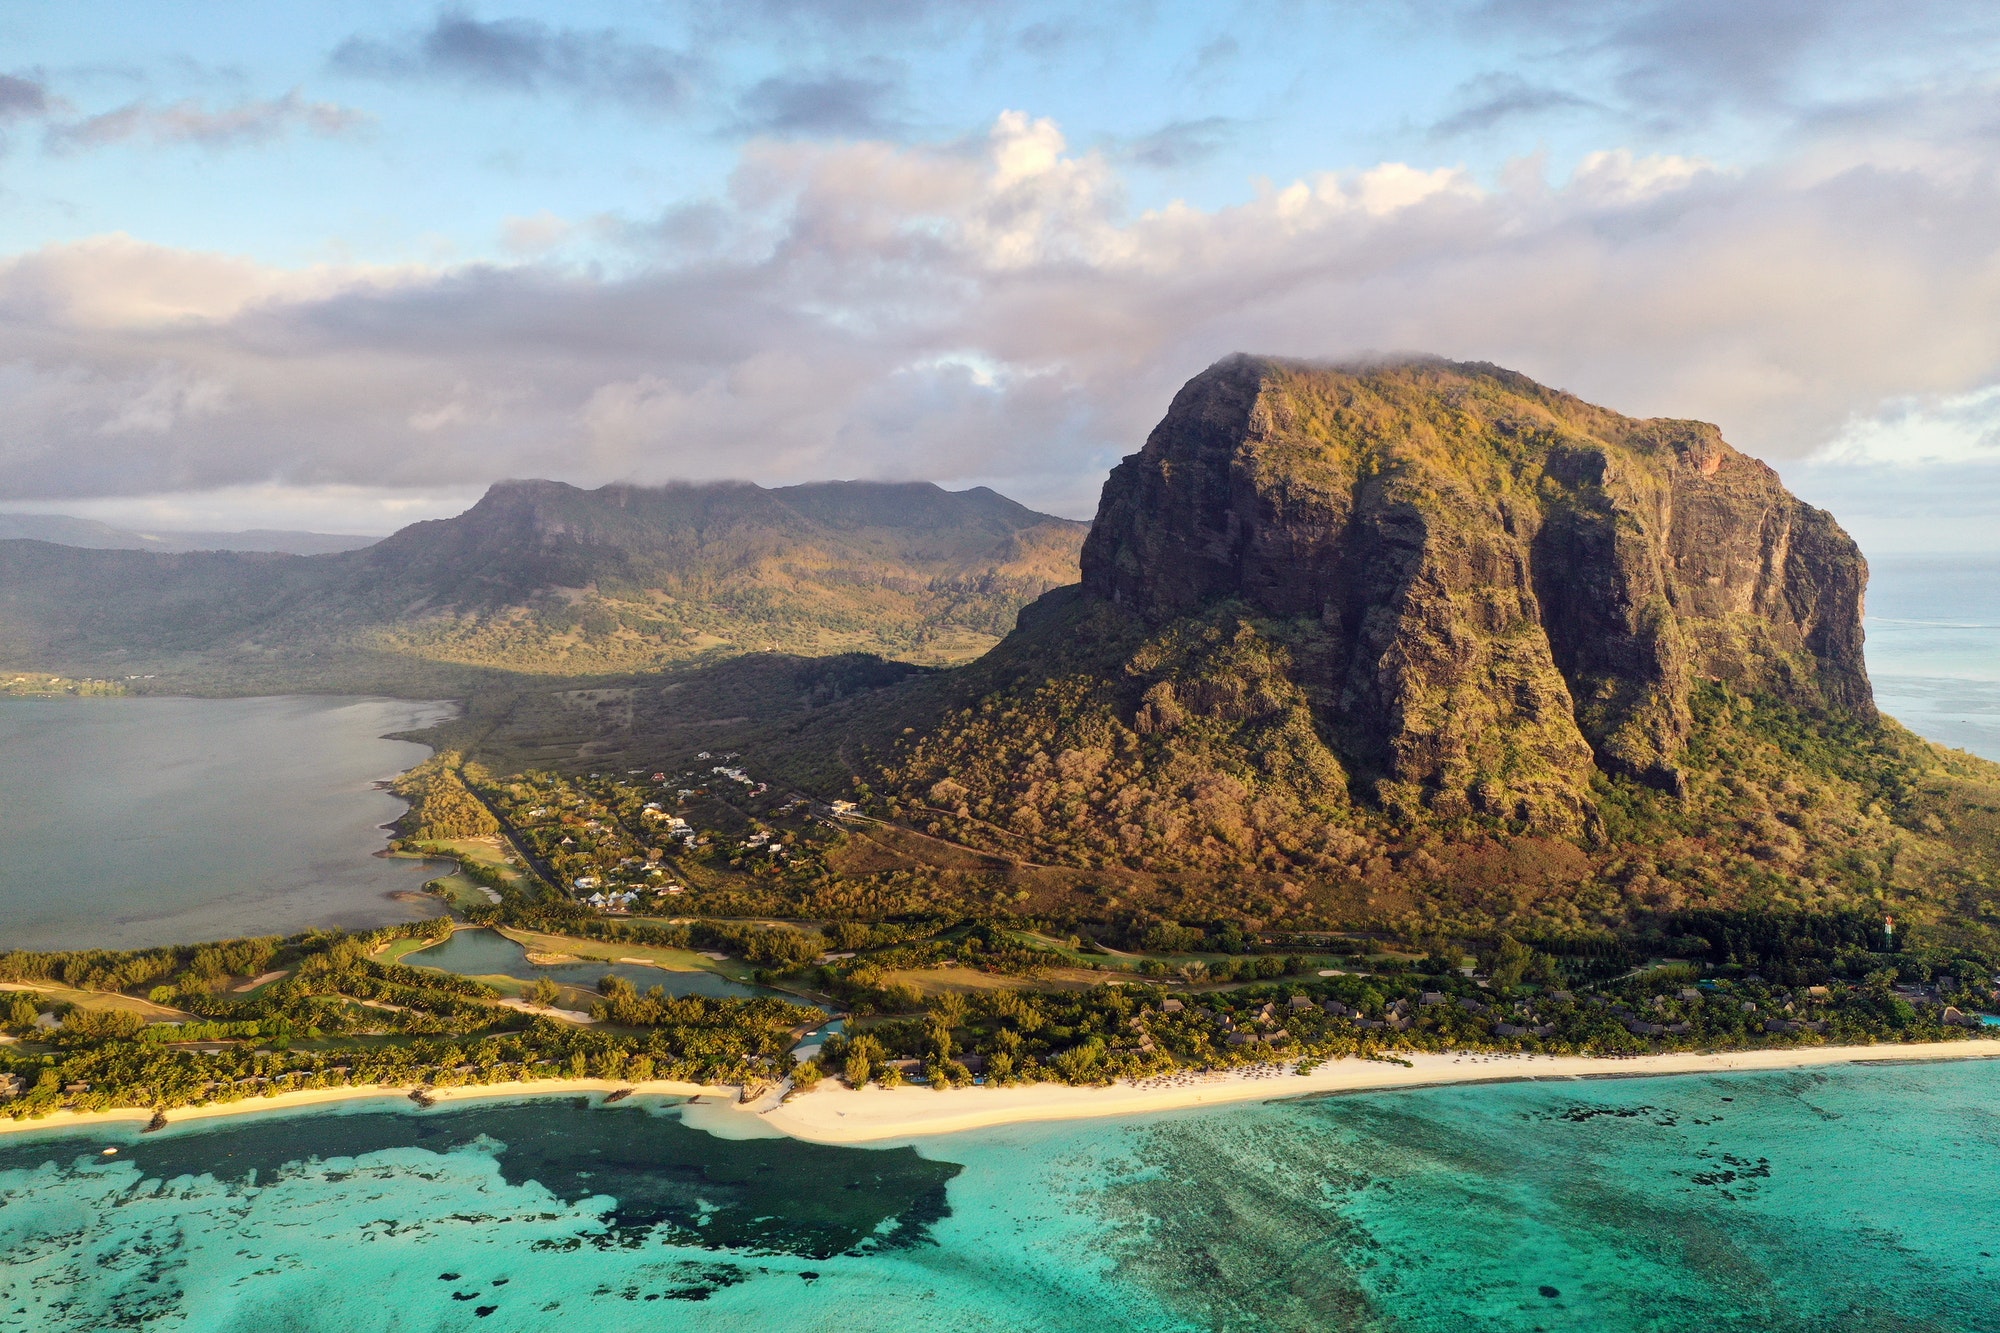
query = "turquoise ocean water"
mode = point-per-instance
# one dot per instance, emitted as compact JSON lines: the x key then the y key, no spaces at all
{"x":1844,"y":1200}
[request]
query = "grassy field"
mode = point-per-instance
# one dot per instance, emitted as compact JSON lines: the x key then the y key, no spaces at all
{"x":103,"y":1000}
{"x":489,"y":854}
{"x":397,"y":951}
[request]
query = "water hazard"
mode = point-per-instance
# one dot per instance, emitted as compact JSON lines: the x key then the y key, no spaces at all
{"x":487,"y":953}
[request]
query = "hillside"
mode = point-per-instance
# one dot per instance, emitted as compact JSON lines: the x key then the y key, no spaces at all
{"x":1432,"y":646}
{"x":540,"y":578}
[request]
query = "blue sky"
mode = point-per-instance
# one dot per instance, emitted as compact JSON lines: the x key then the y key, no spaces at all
{"x":341,"y":265}
{"x":448,"y":126}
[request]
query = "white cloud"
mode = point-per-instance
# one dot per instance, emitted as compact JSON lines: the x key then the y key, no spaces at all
{"x":168,"y":398}
{"x":253,"y":121}
{"x":1905,"y":432}
{"x":535,"y":234}
{"x":1617,"y":175}
{"x":358,"y":509}
{"x":989,"y":310}
{"x":1917,"y":475}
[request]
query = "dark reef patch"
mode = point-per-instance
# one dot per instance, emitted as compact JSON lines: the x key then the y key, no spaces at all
{"x":665,"y":1181}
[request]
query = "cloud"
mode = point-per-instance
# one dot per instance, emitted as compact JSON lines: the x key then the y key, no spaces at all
{"x":832,"y":103}
{"x":1680,"y":62}
{"x":1940,"y":431}
{"x":373,"y":510}
{"x":527,"y":56}
{"x":23,"y":97}
{"x":1216,"y":54}
{"x":1492,"y":99}
{"x":1181,"y":143}
{"x":991,"y":310}
{"x":189,"y":122}
{"x":170,"y":398}
{"x":908,"y":20}
{"x":535,"y":234}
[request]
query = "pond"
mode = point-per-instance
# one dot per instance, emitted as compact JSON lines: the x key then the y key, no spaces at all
{"x":486,"y":953}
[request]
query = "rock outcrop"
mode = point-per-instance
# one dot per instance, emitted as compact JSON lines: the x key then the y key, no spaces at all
{"x":1506,"y":589}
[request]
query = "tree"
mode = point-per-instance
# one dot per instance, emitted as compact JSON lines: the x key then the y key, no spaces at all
{"x":543,"y":993}
{"x":1510,"y":963}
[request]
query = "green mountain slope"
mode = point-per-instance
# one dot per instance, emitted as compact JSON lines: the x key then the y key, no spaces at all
{"x":540,"y":578}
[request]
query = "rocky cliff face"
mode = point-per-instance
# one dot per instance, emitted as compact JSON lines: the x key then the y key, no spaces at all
{"x":1505,"y":588}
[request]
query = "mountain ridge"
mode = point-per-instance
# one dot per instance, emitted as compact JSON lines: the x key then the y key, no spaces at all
{"x":544,"y":578}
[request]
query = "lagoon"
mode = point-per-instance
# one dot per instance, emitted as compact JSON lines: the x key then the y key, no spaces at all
{"x":131,"y":822}
{"x":1807,"y":1201}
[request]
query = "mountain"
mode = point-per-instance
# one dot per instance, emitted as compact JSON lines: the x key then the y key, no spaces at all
{"x":88,"y":532}
{"x":1429,"y":643}
{"x":544,"y":578}
{"x":1509,"y":591}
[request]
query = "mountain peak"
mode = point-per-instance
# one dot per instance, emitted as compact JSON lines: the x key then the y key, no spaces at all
{"x":1508,"y":587}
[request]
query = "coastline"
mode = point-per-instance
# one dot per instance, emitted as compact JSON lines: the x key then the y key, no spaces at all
{"x":835,"y":1114}
{"x":312,"y":1097}
{"x":882,"y":1115}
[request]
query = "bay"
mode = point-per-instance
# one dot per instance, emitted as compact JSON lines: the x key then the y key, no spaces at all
{"x":130,"y":822}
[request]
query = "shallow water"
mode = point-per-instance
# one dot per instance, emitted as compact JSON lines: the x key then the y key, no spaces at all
{"x":484,"y":953}
{"x":141,"y":821}
{"x":1844,"y":1199}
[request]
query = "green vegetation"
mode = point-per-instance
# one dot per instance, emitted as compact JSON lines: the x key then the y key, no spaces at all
{"x":340,"y":1017}
{"x":1010,"y":1005}
{"x":1187,"y":750}
{"x":41,"y":685}
{"x":441,"y":806}
{"x":1137,"y":1032}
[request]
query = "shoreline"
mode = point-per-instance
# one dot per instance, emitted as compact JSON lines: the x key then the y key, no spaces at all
{"x":313,"y":1097}
{"x":886,"y":1115}
{"x":835,"y":1114}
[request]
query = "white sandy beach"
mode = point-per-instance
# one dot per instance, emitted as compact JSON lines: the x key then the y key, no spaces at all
{"x":833,"y":1113}
{"x":295,"y":1101}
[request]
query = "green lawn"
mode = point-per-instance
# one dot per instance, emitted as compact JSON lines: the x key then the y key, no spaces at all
{"x":400,"y":950}
{"x":103,"y":1000}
